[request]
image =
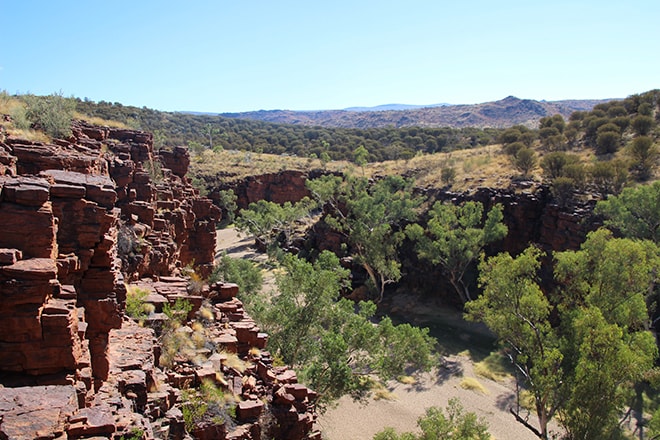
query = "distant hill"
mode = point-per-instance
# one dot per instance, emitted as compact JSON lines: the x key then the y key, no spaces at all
{"x":498,"y":114}
{"x":394,"y":107}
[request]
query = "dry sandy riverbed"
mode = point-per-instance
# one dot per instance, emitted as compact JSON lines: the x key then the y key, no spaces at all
{"x":354,"y":421}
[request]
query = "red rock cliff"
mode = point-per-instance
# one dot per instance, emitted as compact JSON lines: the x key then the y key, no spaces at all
{"x":77,"y":216}
{"x":64,"y":206}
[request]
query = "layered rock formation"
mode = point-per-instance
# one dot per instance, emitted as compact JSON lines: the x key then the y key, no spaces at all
{"x":532,"y":215}
{"x":64,"y":206}
{"x":79,"y":218}
{"x":281,"y":187}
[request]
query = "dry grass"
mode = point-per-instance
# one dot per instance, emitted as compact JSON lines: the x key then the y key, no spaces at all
{"x":233,"y":361}
{"x":95,"y":120}
{"x":234,"y":165}
{"x":16,"y":109}
{"x":484,"y":166}
{"x":407,"y":380}
{"x":380,"y":392}
{"x":494,"y":367}
{"x":206,"y":313}
{"x":10,"y":105}
{"x":28,"y":135}
{"x":472,"y":384}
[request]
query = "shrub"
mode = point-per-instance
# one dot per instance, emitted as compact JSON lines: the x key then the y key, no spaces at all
{"x":448,"y":175}
{"x":207,"y":404}
{"x":514,"y":148}
{"x":609,"y":177}
{"x":577,"y":172}
{"x":607,"y":142}
{"x":155,"y":170}
{"x":562,"y":190}
{"x":644,"y":155}
{"x":52,"y":114}
{"x":553,"y":164}
{"x":525,"y":161}
{"x":178,"y":311}
{"x":136,"y":307}
{"x":642,"y":125}
{"x":245,"y":273}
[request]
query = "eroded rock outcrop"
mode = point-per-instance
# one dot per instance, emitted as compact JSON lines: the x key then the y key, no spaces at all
{"x":80,"y":218}
{"x":285,"y":186}
{"x":64,"y":207}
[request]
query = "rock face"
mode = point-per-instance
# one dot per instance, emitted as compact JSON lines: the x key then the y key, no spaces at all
{"x":67,"y":208}
{"x":80,"y":217}
{"x":285,"y":186}
{"x":533,"y":217}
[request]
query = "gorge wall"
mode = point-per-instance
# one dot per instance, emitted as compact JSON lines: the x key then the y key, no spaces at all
{"x":81,"y":218}
{"x":63,"y":208}
{"x":531,"y":216}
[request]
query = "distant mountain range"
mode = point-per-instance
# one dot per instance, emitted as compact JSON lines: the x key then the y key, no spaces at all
{"x":394,"y":107}
{"x":498,"y":114}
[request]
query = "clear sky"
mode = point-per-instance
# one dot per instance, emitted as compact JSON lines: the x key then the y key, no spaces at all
{"x":241,"y":55}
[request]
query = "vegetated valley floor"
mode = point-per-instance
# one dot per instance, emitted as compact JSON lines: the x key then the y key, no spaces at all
{"x":404,"y":403}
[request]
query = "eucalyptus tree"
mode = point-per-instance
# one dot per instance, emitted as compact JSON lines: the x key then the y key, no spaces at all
{"x":580,"y":349}
{"x":371,"y":216}
{"x":454,"y":237}
{"x":332,"y":342}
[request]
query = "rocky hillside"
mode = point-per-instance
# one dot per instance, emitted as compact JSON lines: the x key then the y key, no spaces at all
{"x":498,"y":114}
{"x":87,"y":222}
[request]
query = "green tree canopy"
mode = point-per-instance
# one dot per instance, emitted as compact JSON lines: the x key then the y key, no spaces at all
{"x":273,"y":224}
{"x":372,"y":217}
{"x":634,"y":212}
{"x":456,"y":425}
{"x":516,"y":310}
{"x":579,"y":354}
{"x":454,"y":238}
{"x":335,"y":349}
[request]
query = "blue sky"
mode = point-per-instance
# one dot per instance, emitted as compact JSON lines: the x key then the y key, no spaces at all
{"x":227,"y":56}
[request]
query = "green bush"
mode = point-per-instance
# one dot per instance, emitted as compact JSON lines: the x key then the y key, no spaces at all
{"x":245,"y":273}
{"x":525,"y":161}
{"x":562,"y":190}
{"x":51,"y":114}
{"x":136,"y":307}
{"x":448,"y":175}
{"x":644,"y":154}
{"x":456,"y":424}
{"x":179,"y":310}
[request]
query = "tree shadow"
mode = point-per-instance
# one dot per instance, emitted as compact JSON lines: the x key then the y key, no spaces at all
{"x":506,"y":401}
{"x":448,"y":369}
